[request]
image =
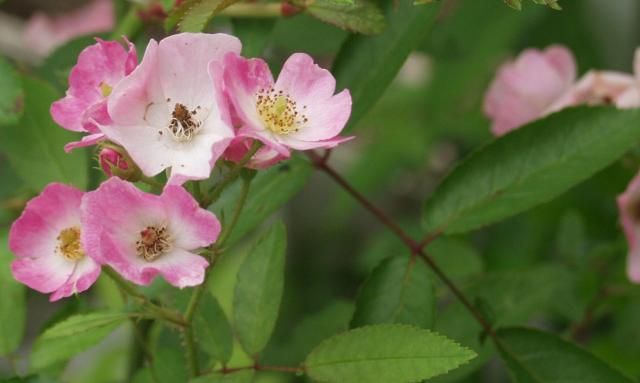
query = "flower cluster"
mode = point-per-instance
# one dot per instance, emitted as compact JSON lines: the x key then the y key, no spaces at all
{"x":190,"y":102}
{"x":538,"y":83}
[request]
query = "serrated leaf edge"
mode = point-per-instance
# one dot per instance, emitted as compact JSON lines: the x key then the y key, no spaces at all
{"x":471,"y":354}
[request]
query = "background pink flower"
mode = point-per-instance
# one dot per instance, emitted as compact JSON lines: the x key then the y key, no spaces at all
{"x":166,"y":115}
{"x":142,"y":235}
{"x":630,"y":98}
{"x":44,"y":33}
{"x":100,"y":67}
{"x":629,"y":210}
{"x":46,"y":240}
{"x":595,"y":88}
{"x":299,"y":111}
{"x":525,"y":88}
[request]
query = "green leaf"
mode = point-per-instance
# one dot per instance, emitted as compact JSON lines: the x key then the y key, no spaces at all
{"x":198,"y":13}
{"x":259,"y":290}
{"x":530,"y":166}
{"x":77,"y":333}
{"x":358,"y":16}
{"x":236,"y":377}
{"x":270,"y":189}
{"x":366,"y":65}
{"x":398,"y":291}
{"x":169,"y":358}
{"x":12,"y":303}
{"x":34,"y":146}
{"x":194,"y":15}
{"x":11,"y":94}
{"x":535,"y":356}
{"x":385,"y":353}
{"x":213,"y":330}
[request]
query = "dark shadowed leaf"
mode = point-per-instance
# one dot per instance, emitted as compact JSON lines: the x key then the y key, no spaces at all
{"x":534,"y":356}
{"x":11,"y":94}
{"x":212,"y":327}
{"x":399,"y":290}
{"x":35,"y":144}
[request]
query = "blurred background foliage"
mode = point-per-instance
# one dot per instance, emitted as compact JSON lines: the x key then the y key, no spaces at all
{"x":559,"y":266}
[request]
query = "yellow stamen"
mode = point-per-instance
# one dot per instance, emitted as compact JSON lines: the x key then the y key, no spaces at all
{"x":69,"y":244}
{"x":279,"y":112}
{"x":105,"y":89}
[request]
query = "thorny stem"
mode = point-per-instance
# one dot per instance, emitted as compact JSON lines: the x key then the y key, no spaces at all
{"x":231,"y":176}
{"x":416,"y":248}
{"x":153,"y":308}
{"x":192,"y":357}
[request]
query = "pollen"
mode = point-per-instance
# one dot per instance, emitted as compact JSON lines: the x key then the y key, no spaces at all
{"x":184,"y":125}
{"x":279,"y":112}
{"x":69,"y":244}
{"x":154,"y":241}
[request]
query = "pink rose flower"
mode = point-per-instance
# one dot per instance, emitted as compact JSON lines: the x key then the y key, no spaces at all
{"x":629,"y":210}
{"x":44,"y":33}
{"x":298,"y":111}
{"x":166,"y":114}
{"x":525,"y":88}
{"x":100,"y":67}
{"x":46,"y":241}
{"x":142,"y":235}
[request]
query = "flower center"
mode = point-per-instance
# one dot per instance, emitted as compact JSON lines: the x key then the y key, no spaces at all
{"x":154,"y":241}
{"x":279,"y":112}
{"x":69,"y":244}
{"x":105,"y":89}
{"x":184,"y":125}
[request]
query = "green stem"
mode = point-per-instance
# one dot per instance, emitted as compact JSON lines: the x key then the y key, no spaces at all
{"x":155,"y":184}
{"x":130,"y":24}
{"x":231,"y":176}
{"x":187,"y":331}
{"x":191,"y":353}
{"x":153,"y":308}
{"x":226,"y":232}
{"x":253,"y":10}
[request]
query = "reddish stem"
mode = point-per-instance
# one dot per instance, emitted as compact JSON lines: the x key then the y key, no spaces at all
{"x":416,"y":248}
